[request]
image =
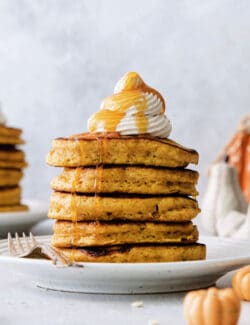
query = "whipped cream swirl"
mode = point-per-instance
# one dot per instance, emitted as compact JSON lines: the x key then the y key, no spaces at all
{"x":133,"y":109}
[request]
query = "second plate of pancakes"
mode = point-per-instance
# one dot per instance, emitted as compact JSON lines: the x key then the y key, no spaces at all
{"x":12,"y":162}
{"x":22,"y":221}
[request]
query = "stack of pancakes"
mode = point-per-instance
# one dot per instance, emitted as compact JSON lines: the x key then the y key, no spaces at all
{"x":124,"y":199}
{"x":12,"y":161}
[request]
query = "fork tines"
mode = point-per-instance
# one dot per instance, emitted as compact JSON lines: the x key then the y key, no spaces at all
{"x":18,"y":246}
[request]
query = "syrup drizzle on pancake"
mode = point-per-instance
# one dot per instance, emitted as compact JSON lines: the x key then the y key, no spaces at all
{"x":97,"y":188}
{"x":74,"y":209}
{"x":99,"y":173}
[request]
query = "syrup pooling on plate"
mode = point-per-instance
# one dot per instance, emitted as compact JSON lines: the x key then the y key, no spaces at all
{"x":134,"y":108}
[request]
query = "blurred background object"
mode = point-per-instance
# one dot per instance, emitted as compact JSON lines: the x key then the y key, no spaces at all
{"x":238,"y":153}
{"x":223,"y":196}
{"x":59,"y":59}
{"x":224,"y":206}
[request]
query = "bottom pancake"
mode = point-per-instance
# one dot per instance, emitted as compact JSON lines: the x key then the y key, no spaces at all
{"x":13,"y":208}
{"x":10,"y":195}
{"x":82,"y":234}
{"x":136,"y":254}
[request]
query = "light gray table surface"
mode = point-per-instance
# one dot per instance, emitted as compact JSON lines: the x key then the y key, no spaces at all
{"x":23,"y":303}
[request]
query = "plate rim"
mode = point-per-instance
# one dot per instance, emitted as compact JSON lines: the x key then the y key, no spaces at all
{"x":242,"y":259}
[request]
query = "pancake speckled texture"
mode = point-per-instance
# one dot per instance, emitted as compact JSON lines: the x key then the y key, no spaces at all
{"x":87,"y":208}
{"x":136,"y":254}
{"x":139,"y":180}
{"x":82,"y":234}
{"x":90,"y":150}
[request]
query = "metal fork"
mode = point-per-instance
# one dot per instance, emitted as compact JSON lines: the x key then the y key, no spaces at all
{"x":21,"y":247}
{"x":29,"y":247}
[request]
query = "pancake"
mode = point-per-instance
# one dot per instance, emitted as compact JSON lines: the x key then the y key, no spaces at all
{"x":67,"y":206}
{"x":10,"y":195}
{"x":90,"y":149}
{"x":12,"y":164}
{"x":13,"y":208}
{"x":140,"y":180}
{"x":9,"y":131}
{"x":11,"y":155}
{"x":10,"y":135}
{"x":136,"y":254}
{"x":82,"y":234}
{"x":10,"y":177}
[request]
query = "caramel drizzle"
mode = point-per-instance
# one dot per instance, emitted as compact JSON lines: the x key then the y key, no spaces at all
{"x":74,"y":208}
{"x":102,"y":144}
{"x":131,"y":92}
{"x":97,"y":187}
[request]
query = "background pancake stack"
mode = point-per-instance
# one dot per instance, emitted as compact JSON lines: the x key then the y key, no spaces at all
{"x":12,"y":161}
{"x":124,"y":199}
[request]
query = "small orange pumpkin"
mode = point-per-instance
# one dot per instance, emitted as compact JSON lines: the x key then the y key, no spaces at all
{"x":212,"y":307}
{"x":241,"y":283}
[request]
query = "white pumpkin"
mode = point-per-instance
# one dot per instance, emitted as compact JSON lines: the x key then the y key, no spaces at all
{"x":235,"y":225}
{"x":223,"y":195}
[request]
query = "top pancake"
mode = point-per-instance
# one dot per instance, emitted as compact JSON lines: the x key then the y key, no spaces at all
{"x":10,"y":135}
{"x":89,"y":149}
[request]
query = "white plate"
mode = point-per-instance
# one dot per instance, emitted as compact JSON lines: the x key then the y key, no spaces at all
{"x":224,"y":255}
{"x":24,"y":220}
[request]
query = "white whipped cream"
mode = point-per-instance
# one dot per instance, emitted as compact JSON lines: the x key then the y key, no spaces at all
{"x":137,"y":109}
{"x":158,"y":124}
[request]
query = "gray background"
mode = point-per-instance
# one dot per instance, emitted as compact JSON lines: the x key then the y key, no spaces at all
{"x":59,"y":59}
